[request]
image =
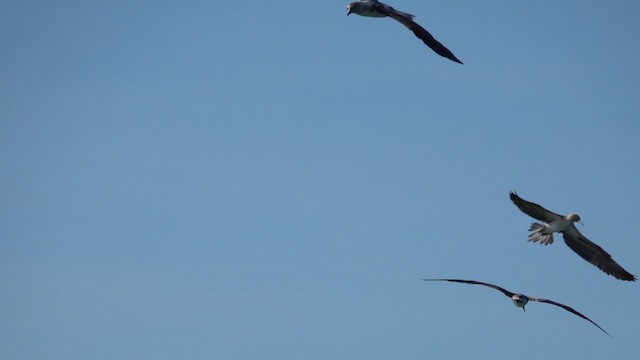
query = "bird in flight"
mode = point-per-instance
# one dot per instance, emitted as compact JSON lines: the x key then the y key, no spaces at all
{"x":572,"y":237}
{"x":374,"y":8}
{"x":520,"y":300}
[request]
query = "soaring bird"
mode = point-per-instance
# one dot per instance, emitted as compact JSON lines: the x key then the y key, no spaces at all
{"x":520,"y":300}
{"x":374,"y":8}
{"x":572,"y":237}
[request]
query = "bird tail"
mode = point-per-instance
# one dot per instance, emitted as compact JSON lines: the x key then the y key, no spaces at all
{"x":537,"y":234}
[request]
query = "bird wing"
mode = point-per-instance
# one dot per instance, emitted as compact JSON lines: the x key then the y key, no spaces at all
{"x":568,"y":308}
{"x":532,"y":209}
{"x":422,"y":34}
{"x":473,"y":282}
{"x":594,"y":254}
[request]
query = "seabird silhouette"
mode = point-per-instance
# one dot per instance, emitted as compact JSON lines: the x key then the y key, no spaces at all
{"x":374,"y":8}
{"x":572,"y":237}
{"x":521,"y":300}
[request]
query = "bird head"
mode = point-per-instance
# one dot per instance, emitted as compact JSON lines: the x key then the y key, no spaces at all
{"x":349,"y":9}
{"x":574,"y":218}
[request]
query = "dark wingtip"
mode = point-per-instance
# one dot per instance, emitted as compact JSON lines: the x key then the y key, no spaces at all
{"x":629,"y":277}
{"x":449,"y":55}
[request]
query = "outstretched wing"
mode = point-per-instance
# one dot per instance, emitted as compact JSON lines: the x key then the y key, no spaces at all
{"x":532,"y":209}
{"x":568,"y":309}
{"x":595,"y":254}
{"x":422,"y":34}
{"x":473,"y":282}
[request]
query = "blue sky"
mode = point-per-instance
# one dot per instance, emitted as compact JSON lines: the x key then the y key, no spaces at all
{"x":270,"y":180}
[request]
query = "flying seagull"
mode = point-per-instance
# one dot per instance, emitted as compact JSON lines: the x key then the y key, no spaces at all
{"x":374,"y":8}
{"x":520,"y":300}
{"x":572,"y":237}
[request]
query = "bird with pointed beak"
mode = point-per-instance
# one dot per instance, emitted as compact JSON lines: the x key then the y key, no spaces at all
{"x":376,"y":9}
{"x":564,"y":224}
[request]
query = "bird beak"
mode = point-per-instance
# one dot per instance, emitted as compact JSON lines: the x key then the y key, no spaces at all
{"x":523,"y":309}
{"x":348,"y":11}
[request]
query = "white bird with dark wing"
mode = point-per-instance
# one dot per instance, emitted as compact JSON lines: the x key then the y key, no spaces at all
{"x":520,"y":300}
{"x":374,"y":8}
{"x":572,"y":237}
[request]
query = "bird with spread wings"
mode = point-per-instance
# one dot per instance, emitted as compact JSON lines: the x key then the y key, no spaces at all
{"x":374,"y":8}
{"x":577,"y":242}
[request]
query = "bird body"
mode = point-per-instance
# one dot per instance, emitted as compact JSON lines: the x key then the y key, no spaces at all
{"x":520,"y":300}
{"x":544,"y":232}
{"x":376,"y":9}
{"x":577,"y":242}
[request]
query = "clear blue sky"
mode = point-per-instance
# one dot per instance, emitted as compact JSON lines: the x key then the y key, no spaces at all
{"x":271,"y":179}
